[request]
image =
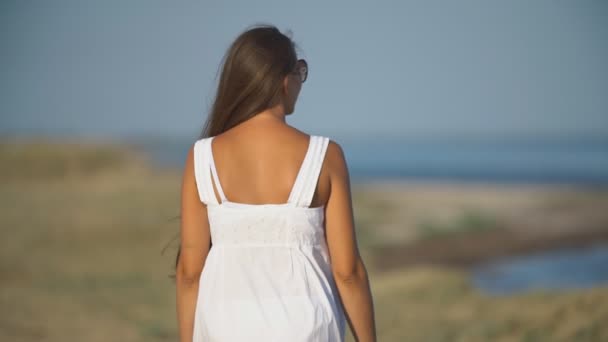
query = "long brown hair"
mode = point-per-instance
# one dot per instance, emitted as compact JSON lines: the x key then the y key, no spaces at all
{"x":251,"y":78}
{"x":253,"y":70}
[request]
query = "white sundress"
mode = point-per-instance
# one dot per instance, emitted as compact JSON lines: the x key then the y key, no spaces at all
{"x":267,"y":276}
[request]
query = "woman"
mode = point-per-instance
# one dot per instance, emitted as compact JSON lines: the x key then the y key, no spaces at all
{"x":264,"y":209}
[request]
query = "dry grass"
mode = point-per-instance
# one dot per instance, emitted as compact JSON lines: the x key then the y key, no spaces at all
{"x":426,"y":304}
{"x":80,"y":260}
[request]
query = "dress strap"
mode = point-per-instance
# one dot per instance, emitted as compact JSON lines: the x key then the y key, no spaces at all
{"x":306,"y":182}
{"x":214,"y":172}
{"x":204,"y":170}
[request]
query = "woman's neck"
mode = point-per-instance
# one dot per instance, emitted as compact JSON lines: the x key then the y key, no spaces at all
{"x":274,"y":113}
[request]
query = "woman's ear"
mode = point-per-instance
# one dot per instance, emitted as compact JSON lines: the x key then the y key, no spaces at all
{"x":285,"y":87}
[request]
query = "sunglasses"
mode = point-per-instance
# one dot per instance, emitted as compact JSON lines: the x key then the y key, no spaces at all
{"x":301,"y":69}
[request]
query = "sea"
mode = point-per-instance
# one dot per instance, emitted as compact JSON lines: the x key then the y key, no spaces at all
{"x":565,"y":161}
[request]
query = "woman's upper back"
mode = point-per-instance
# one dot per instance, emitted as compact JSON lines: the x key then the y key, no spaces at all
{"x":262,"y":165}
{"x":258,"y":164}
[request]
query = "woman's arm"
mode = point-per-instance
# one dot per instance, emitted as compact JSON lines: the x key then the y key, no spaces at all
{"x":195,"y":243}
{"x":347,"y":266}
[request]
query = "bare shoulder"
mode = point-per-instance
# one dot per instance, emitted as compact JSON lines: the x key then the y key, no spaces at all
{"x":336,"y":160}
{"x":188,"y":173}
{"x":190,"y":157}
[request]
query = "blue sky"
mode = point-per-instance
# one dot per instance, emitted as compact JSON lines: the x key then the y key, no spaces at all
{"x":429,"y":69}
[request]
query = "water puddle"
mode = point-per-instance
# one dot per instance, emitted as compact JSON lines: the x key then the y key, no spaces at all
{"x":554,"y":270}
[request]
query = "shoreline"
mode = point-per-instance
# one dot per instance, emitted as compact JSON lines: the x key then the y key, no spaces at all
{"x":527,"y":218}
{"x":395,"y":184}
{"x":468,"y":250}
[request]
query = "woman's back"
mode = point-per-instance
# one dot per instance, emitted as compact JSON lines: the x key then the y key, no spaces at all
{"x":258,"y":161}
{"x":267,"y":276}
